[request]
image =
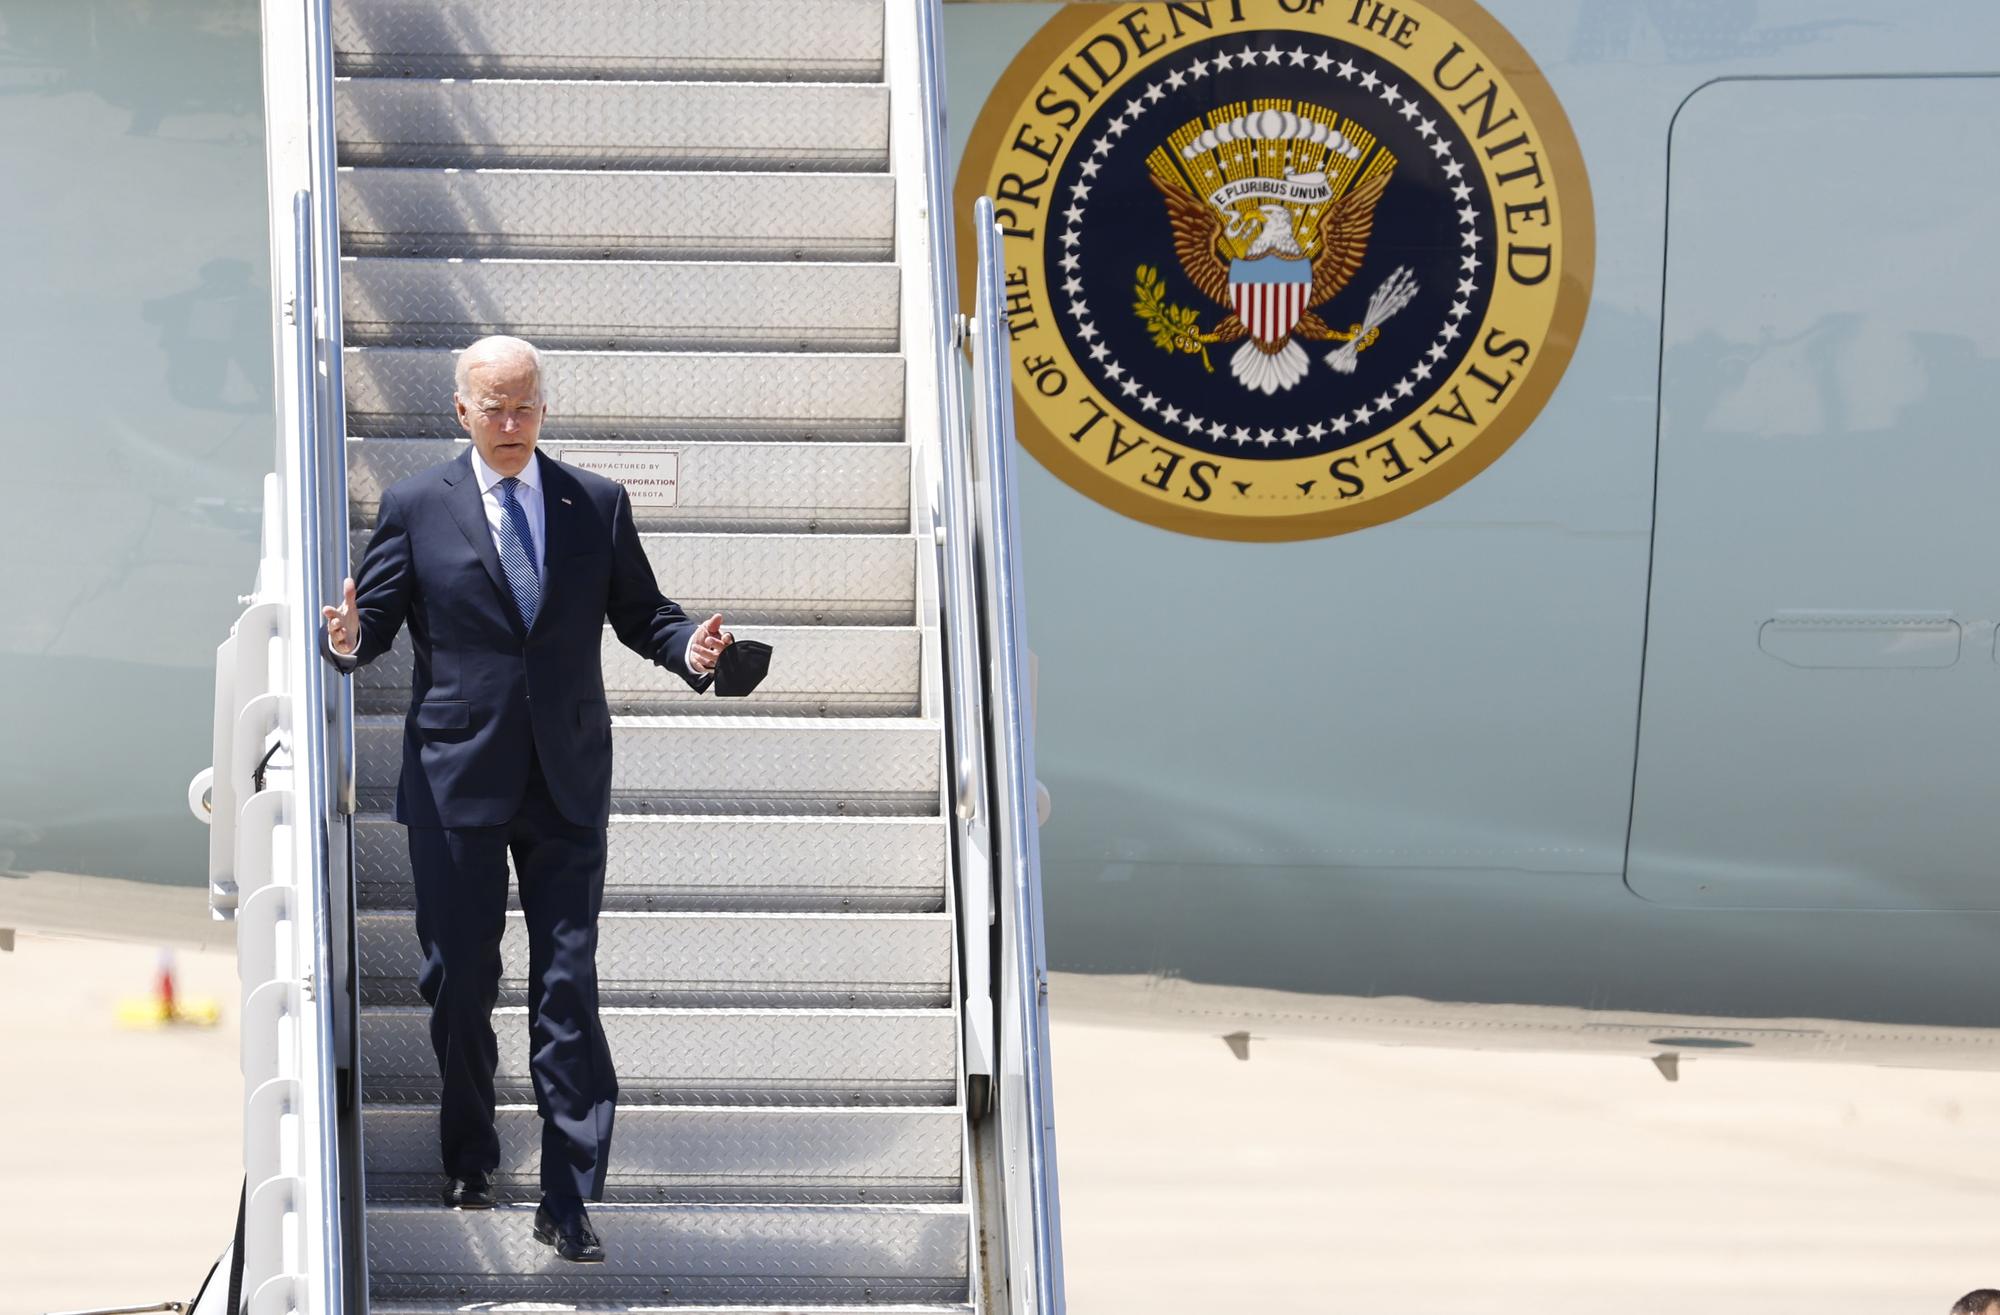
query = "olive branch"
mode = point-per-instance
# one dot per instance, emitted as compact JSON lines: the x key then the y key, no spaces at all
{"x":1174,"y":328}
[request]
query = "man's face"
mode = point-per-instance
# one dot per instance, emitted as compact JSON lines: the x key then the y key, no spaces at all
{"x":502,"y":409}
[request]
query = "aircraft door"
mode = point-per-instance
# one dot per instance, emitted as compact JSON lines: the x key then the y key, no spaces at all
{"x":1821,"y":683}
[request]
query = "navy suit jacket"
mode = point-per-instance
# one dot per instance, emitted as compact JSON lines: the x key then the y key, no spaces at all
{"x":485,"y":689}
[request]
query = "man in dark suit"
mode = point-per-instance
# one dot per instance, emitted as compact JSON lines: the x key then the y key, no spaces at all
{"x":505,"y":565}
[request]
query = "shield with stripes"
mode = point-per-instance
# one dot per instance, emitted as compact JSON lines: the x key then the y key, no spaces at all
{"x":1269,"y":294}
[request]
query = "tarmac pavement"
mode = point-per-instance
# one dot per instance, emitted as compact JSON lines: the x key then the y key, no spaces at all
{"x":121,"y":1150}
{"x":1334,"y":1176}
{"x":1317,"y":1175}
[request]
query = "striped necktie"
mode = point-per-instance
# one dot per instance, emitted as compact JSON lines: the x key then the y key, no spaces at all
{"x":517,"y":554}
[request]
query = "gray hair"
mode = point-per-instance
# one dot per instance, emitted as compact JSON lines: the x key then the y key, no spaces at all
{"x":488,"y":348}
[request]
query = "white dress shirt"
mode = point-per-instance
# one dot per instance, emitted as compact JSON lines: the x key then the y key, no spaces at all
{"x":528,"y":492}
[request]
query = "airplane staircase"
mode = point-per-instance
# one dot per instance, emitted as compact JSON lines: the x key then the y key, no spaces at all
{"x":722,"y":222}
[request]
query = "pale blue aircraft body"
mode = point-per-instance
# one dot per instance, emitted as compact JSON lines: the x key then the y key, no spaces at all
{"x":1684,"y":706}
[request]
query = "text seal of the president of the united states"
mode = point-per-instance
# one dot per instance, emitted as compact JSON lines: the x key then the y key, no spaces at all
{"x":1279,"y":269}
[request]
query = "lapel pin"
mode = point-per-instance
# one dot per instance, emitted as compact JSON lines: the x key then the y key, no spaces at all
{"x":567,"y":503}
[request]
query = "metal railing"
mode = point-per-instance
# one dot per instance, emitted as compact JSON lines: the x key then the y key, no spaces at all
{"x":279,"y":813}
{"x":328,"y":468}
{"x":326,"y":745}
{"x":323,"y":465}
{"x":282,"y":783}
{"x":990,"y":740}
{"x":315,"y":748}
{"x":952,"y":529}
{"x":1024,"y":1097}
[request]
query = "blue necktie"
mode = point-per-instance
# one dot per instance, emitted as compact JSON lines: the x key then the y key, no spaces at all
{"x":517,"y":554}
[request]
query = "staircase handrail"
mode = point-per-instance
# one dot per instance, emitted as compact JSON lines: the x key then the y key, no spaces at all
{"x":312,"y":780}
{"x":288,"y":885}
{"x":993,"y":787}
{"x":329,"y":470}
{"x":291,"y":1253}
{"x":327,"y":744}
{"x":953,"y":529}
{"x":1025,"y":1103}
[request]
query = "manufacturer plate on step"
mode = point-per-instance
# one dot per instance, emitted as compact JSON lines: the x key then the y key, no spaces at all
{"x":651,"y":475}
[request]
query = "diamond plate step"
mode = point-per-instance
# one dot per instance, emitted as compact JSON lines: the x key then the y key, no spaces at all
{"x":593,"y":214}
{"x":696,"y":1153}
{"x":657,"y":305}
{"x":803,"y":864}
{"x":509,"y":1306}
{"x":817,"y":39}
{"x":406,"y":392}
{"x":730,"y":765}
{"x":870,"y":671}
{"x":679,"y":1253}
{"x":518,"y":123}
{"x":761,"y":487}
{"x":779,"y":579}
{"x":794,"y":1057}
{"x":827,"y":671}
{"x":752,"y":960}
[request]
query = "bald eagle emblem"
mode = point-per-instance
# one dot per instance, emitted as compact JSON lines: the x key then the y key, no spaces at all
{"x":1271,"y":210}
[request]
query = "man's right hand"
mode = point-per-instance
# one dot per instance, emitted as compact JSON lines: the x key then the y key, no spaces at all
{"x":343,"y":625}
{"x":707,"y":644}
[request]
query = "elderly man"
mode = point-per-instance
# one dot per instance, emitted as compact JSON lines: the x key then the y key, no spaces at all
{"x":505,"y":565}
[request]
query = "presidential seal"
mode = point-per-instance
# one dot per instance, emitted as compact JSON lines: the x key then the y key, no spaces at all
{"x":1279,"y":269}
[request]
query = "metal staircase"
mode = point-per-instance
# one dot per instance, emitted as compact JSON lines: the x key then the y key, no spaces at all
{"x":718,"y":221}
{"x":793,"y":1126}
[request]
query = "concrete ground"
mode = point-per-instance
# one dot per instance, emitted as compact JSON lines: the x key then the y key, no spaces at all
{"x":1316,"y":1175}
{"x":1358,"y":1178}
{"x":121,"y":1151}
{"x":112,"y":908}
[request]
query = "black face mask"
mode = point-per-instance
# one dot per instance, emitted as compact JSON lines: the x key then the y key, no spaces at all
{"x":741,"y":667}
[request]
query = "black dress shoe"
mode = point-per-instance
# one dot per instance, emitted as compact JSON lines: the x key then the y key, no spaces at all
{"x":473,"y":1193}
{"x":570,"y":1233}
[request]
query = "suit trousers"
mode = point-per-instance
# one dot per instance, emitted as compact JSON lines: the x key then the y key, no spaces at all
{"x":461,"y":895}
